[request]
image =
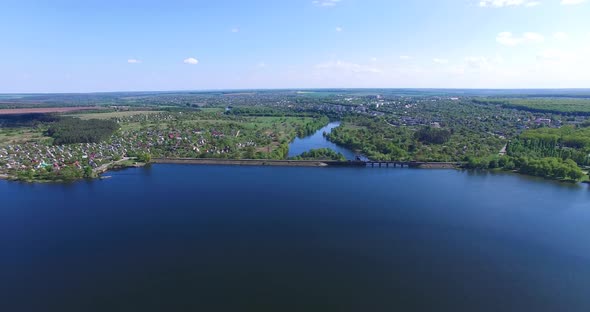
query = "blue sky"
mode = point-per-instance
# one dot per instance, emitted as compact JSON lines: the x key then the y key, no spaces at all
{"x":87,"y":46}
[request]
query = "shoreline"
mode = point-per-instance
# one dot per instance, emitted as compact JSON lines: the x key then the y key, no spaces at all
{"x":242,"y":162}
{"x":119,"y":165}
{"x":302,"y":163}
{"x":98,"y":172}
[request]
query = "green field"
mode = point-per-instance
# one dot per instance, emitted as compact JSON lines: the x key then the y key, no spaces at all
{"x":109,"y":115}
{"x":17,"y":136}
{"x":552,"y":105}
{"x":212,"y":109}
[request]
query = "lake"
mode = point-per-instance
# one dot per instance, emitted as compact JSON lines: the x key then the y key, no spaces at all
{"x":317,"y":140}
{"x":219,"y":238}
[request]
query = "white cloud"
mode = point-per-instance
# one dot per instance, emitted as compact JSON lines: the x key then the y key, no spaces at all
{"x":347,"y":67}
{"x":191,"y":61}
{"x":405,"y":57}
{"x":456,"y":70}
{"x":478,"y":62}
{"x":507,"y":3}
{"x":564,"y":67}
{"x":440,"y":61}
{"x":533,"y":37}
{"x":556,"y":56}
{"x":133,"y":61}
{"x":507,"y":38}
{"x":483,"y":64}
{"x":572,"y":2}
{"x":560,"y":36}
{"x":326,"y":3}
{"x":339,"y":29}
{"x":335,"y":73}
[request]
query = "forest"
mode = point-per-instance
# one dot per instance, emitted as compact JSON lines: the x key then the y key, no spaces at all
{"x":563,"y":143}
{"x":433,"y":135}
{"x":555,"y":153}
{"x":546,"y":167}
{"x":374,"y":138}
{"x":379,"y":140}
{"x":73,"y":130}
{"x":25,"y":120}
{"x":576,"y":106}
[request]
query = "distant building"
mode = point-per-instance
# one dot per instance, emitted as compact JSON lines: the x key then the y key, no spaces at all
{"x":545,"y":121}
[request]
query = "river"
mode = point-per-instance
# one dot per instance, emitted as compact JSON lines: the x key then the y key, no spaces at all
{"x":318,"y":140}
{"x":221,"y":238}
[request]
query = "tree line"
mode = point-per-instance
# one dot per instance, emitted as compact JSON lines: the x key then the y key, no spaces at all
{"x":571,"y":106}
{"x":547,"y":167}
{"x":320,"y":154}
{"x":564,"y":143}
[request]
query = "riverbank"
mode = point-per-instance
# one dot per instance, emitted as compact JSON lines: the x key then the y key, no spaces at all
{"x":242,"y":162}
{"x":305,"y":163}
{"x":317,"y":141}
{"x":124,"y":163}
{"x":129,"y":163}
{"x":441,"y":165}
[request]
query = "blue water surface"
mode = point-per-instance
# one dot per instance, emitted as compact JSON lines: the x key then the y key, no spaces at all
{"x":220,"y":238}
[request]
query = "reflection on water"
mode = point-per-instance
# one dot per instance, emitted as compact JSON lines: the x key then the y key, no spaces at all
{"x":566,"y":184}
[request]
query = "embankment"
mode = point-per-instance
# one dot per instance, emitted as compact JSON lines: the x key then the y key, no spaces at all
{"x":241,"y":162}
{"x":438,"y":165}
{"x":301,"y":163}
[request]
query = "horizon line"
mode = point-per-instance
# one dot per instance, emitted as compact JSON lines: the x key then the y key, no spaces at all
{"x":295,"y":89}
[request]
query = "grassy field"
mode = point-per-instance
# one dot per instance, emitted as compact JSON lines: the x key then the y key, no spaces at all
{"x":555,"y":105}
{"x":109,"y":115}
{"x":17,"y":136}
{"x":278,"y":125}
{"x":213,"y":109}
{"x":47,"y":110}
{"x":281,"y":126}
